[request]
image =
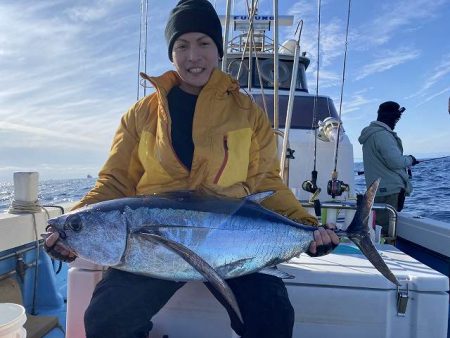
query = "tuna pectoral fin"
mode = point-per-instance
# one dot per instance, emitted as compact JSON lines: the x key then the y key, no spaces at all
{"x":273,"y":271}
{"x":259,"y":196}
{"x":201,"y":266}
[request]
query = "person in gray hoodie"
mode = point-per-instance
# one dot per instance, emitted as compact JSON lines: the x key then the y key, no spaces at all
{"x":383,"y":158}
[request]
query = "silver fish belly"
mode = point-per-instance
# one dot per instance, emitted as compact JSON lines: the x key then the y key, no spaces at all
{"x":233,"y":246}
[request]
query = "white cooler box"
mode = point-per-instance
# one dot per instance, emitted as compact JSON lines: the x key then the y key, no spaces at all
{"x":334,"y":296}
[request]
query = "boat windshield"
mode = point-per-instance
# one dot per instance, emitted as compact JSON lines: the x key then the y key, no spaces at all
{"x":303,"y":112}
{"x":264,"y":66}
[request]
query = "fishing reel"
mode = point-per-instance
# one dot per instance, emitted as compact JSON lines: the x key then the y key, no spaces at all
{"x":336,"y":187}
{"x":311,"y":185}
{"x":328,"y":130}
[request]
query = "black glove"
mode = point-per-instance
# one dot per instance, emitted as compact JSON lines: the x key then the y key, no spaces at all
{"x":414,"y":162}
{"x":322,"y":250}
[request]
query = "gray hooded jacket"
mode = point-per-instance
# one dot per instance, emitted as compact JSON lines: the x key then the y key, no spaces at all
{"x":383,"y":157}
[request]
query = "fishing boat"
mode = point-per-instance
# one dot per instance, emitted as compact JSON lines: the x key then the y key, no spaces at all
{"x":340,"y":294}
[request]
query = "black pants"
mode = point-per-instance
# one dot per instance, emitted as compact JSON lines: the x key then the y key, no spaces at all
{"x":124,"y":303}
{"x":396,"y":201}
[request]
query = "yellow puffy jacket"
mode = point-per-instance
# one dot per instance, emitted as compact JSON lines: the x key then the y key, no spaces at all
{"x":235,"y":151}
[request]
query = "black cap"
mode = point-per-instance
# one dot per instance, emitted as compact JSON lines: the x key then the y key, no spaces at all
{"x":194,"y":16}
{"x":390,"y":107}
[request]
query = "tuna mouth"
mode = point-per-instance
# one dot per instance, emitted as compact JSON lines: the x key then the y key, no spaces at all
{"x":52,"y":228}
{"x":51,"y":223}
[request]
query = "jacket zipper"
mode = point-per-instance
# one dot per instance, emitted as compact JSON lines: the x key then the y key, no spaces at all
{"x":173,"y":149}
{"x":168,"y":131}
{"x":225,"y":160}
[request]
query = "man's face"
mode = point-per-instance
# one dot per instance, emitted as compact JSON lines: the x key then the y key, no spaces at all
{"x":390,"y":119}
{"x":195,"y":56}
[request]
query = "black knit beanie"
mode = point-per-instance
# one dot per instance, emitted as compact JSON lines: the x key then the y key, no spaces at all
{"x":389,"y":112}
{"x":194,"y":16}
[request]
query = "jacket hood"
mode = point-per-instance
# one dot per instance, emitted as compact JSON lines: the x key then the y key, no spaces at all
{"x":374,"y":127}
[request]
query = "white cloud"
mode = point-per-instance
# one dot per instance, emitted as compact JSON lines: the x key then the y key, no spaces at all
{"x":387,"y":60}
{"x":354,"y":104}
{"x":432,"y":96}
{"x":439,"y":72}
{"x":62,"y":78}
{"x":55,"y":135}
{"x":395,"y":16}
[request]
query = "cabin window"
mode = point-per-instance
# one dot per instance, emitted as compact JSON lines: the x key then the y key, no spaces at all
{"x":266,"y":69}
{"x":302,"y":116}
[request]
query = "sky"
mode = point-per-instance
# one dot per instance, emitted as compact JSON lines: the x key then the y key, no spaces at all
{"x":68,"y":71}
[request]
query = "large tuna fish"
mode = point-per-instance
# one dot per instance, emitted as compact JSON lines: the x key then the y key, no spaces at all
{"x":185,"y":236}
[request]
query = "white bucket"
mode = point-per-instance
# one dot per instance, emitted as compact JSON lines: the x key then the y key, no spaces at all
{"x":12,"y":318}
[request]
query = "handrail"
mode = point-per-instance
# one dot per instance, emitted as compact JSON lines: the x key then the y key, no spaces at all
{"x":285,"y":170}
{"x":393,"y":216}
{"x":225,"y":40}
{"x":21,"y":251}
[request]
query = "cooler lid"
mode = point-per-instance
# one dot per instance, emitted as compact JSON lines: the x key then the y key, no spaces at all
{"x":348,"y":267}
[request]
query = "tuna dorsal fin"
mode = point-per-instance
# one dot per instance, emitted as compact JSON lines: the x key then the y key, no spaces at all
{"x":201,"y":266}
{"x":259,"y":196}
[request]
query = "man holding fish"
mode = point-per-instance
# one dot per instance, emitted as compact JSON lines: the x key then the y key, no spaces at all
{"x":196,"y":132}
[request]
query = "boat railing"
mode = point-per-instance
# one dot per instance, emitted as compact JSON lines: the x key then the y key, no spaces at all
{"x":20,"y":266}
{"x":345,"y":205}
{"x":261,"y":43}
{"x":21,"y":229}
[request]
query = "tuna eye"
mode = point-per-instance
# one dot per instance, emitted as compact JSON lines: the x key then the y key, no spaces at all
{"x":75,"y":224}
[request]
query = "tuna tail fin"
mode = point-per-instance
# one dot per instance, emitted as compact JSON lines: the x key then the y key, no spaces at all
{"x":358,"y":233}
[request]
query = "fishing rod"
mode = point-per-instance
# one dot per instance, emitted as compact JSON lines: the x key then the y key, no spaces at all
{"x":432,"y":159}
{"x":336,"y":187}
{"x":311,"y":185}
{"x":143,"y":39}
{"x":361,"y":172}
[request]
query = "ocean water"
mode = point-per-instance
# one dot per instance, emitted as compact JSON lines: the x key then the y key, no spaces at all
{"x":430,"y":198}
{"x":50,"y":191}
{"x":431,"y":189}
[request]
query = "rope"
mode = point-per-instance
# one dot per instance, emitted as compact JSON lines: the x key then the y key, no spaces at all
{"x":36,"y":269}
{"x":24,"y":207}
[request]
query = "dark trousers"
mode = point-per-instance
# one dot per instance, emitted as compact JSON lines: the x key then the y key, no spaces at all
{"x":123,"y":304}
{"x":382,"y":216}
